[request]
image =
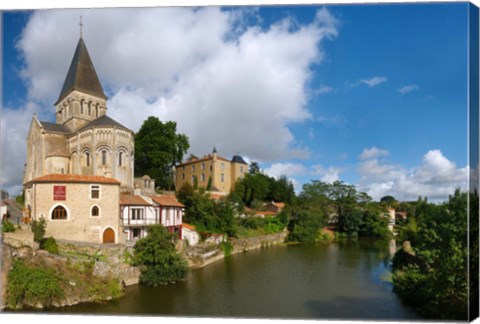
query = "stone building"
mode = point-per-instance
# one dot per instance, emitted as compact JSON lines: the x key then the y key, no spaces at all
{"x":221,"y":173}
{"x":83,"y":140}
{"x":78,"y":166}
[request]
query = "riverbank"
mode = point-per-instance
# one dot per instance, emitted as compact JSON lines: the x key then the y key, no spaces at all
{"x":95,"y":272}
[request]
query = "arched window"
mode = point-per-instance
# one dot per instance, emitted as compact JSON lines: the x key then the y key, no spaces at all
{"x":87,"y":158}
{"x":95,"y":211}
{"x":96,"y":110}
{"x":104,"y":157}
{"x":81,"y":106}
{"x":120,"y":157}
{"x":90,"y":108}
{"x":59,"y":213}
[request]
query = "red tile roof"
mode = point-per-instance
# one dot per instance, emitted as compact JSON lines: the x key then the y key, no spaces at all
{"x":188,"y":226}
{"x":279,"y":204}
{"x":133,"y":200}
{"x":167,"y":201}
{"x":74,"y":178}
{"x":266,"y":213}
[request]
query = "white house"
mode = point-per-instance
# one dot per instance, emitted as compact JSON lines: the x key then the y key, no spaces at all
{"x":138,"y":213}
{"x":190,"y":234}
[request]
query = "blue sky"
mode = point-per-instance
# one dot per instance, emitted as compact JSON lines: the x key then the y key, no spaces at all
{"x":374,"y":95}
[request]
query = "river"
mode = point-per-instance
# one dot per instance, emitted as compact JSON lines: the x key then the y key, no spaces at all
{"x":346,"y":280}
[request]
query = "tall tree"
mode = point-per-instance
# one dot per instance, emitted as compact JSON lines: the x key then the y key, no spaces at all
{"x":158,"y":148}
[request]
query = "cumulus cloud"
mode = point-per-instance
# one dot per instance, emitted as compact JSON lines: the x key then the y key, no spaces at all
{"x":372,"y":152}
{"x":408,"y":88}
{"x":225,"y":79}
{"x":329,"y":175}
{"x":436,"y":178}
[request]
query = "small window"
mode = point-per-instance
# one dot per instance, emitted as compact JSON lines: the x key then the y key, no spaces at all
{"x":183,"y":176}
{"x":95,"y":211}
{"x":96,"y":110}
{"x":203,"y":166}
{"x":241,"y":169}
{"x":137,"y":214}
{"x":193,"y":168}
{"x":222,"y":166}
{"x":203,"y":177}
{"x":120,"y":157}
{"x":95,"y":192}
{"x":90,"y":108}
{"x":222,"y":178}
{"x":87,"y":158}
{"x":81,"y":106}
{"x":59,"y":213}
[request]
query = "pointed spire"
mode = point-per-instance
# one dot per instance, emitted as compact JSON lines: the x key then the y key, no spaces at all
{"x":214,"y":150}
{"x":81,"y":75}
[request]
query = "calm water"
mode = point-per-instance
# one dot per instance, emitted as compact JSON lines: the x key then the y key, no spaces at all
{"x":331,"y":280}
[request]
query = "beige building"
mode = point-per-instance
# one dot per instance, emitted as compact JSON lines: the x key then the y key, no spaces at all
{"x":77,"y":207}
{"x":77,"y":167}
{"x":83,"y":140}
{"x":220,"y":172}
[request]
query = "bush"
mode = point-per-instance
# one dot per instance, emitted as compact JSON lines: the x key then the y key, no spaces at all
{"x":158,"y":260}
{"x":38,"y":229}
{"x":32,"y":285}
{"x":50,"y":245}
{"x":7,"y":227}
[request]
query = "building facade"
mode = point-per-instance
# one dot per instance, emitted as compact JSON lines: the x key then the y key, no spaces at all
{"x":83,"y":140}
{"x":212,"y":172}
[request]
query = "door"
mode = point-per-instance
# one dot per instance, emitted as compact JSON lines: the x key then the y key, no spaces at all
{"x":108,"y":236}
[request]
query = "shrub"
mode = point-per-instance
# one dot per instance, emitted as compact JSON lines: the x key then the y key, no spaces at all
{"x":227,"y":248}
{"x":7,"y":227}
{"x":50,"y":245}
{"x":32,"y":285}
{"x":38,"y":229}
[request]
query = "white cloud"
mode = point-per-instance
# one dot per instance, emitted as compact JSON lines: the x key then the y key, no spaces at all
{"x":329,"y":175}
{"x":276,"y":170}
{"x":436,"y":178}
{"x":408,"y":88}
{"x":225,"y":80}
{"x":324,"y":89}
{"x":14,"y":124}
{"x":372,"y":82}
{"x":372,"y":152}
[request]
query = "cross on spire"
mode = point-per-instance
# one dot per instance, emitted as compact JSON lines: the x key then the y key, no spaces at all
{"x":81,"y":27}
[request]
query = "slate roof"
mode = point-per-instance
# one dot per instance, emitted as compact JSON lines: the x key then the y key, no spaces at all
{"x":103,"y":121}
{"x":238,"y":159}
{"x":55,"y":128}
{"x":81,"y":75}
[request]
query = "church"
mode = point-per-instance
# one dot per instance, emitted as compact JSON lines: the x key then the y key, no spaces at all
{"x":79,"y":167}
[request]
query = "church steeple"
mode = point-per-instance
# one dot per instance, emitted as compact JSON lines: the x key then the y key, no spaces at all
{"x":81,"y":75}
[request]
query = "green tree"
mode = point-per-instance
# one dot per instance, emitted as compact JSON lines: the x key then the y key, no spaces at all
{"x":436,"y":280}
{"x":304,"y":226}
{"x":158,"y":260}
{"x":158,"y":149}
{"x":253,"y":168}
{"x":282,"y":190}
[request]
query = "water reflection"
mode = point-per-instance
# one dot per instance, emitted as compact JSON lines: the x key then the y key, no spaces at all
{"x":329,"y":280}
